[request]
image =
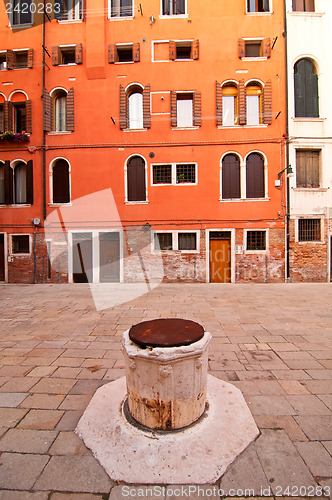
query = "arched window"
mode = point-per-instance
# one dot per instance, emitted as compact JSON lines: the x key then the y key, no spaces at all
{"x":255,"y":183}
{"x":229,"y":104}
{"x":60,"y":182}
{"x":2,"y":184}
{"x":135,"y":109}
{"x":60,"y":111}
{"x":20,"y":183}
{"x":306,"y":89}
{"x":136,"y":186}
{"x":230,"y":177}
{"x":254,"y":103}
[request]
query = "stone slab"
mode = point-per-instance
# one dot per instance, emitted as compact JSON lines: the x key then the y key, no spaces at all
{"x":198,"y":454}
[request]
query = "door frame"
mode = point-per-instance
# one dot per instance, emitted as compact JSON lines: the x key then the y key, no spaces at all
{"x":207,"y":246}
{"x":95,"y":252}
{"x":5,"y":256}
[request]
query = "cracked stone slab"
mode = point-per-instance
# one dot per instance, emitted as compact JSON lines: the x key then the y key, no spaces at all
{"x":199,"y":454}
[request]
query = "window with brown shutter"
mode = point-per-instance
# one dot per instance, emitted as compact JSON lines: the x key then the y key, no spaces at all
{"x":29,"y":181}
{"x":69,"y":54}
{"x":10,"y":56}
{"x":136,"y":190}
{"x":266,"y":48}
{"x":173,"y":108}
{"x":307,"y":168}
{"x":146,"y":107}
{"x":218,"y":104}
{"x":306,"y":89}
{"x":197,"y":105}
{"x":56,"y":56}
{"x":136,"y":52}
{"x":123,"y":116}
{"x":60,"y":182}
{"x":183,"y":50}
{"x":70,"y":111}
{"x":172,"y":50}
{"x":241,"y":48}
{"x":112,"y":53}
{"x":47,"y":111}
{"x":242,"y":103}
{"x":2,"y":119}
{"x":255,"y":183}
{"x":230,"y":177}
{"x":9,"y":183}
{"x":28,"y":121}
{"x":267,"y":103}
{"x":30,"y":58}
{"x":8,"y":116}
{"x":79,"y":54}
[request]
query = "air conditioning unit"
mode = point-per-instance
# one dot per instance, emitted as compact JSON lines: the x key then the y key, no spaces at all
{"x":36,"y":221}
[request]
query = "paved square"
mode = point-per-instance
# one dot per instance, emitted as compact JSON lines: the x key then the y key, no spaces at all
{"x":274,"y":342}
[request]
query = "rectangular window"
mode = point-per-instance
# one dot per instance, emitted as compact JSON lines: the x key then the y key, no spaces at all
{"x":228,"y":110}
{"x":183,"y":50}
{"x":2,"y":119}
{"x":253,"y":110}
{"x":21,"y":12}
{"x":184,"y":110}
{"x":20,"y":243}
{"x":67,"y":55}
{"x":163,"y":241}
{"x":3,"y":61}
{"x":121,"y":8}
{"x":253,"y":48}
{"x":68,"y":10}
{"x":258,"y":5}
{"x":256,"y":240}
{"x":162,"y":174}
{"x":124,"y":53}
{"x":21,"y":59}
{"x":307,"y":169}
{"x":187,"y":241}
{"x":173,"y":7}
{"x":309,"y":230}
{"x":20,"y":115}
{"x":304,"y":5}
{"x":186,"y":173}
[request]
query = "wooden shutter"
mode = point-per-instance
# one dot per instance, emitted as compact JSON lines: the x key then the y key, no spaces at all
{"x":47,"y":111}
{"x":123,"y":115}
{"x":231,"y":177}
{"x":266,"y":47}
{"x":311,"y":95}
{"x":8,"y":183}
{"x":28,"y":124}
{"x":29,"y":177}
{"x":197,"y":108}
{"x":56,"y":55}
{"x":267,"y":103}
{"x":70,"y":110}
{"x":307,"y":169}
{"x":136,"y":179}
{"x":9,"y":116}
{"x":10,"y":59}
{"x":241,"y":48}
{"x":146,"y":107}
{"x":255,"y":185}
{"x":30,"y":58}
{"x":79,"y":53}
{"x":194,"y":50}
{"x":218,"y":104}
{"x":298,"y":5}
{"x":60,"y":182}
{"x":242,"y":103}
{"x":112,"y":53}
{"x":136,"y":52}
{"x":299,"y":93}
{"x":173,"y":109}
{"x":310,"y":5}
{"x":172,"y":50}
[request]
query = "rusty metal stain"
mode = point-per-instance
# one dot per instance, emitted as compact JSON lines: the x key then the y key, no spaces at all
{"x":166,"y":332}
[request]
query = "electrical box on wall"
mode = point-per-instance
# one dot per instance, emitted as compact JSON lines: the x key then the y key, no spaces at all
{"x":36,"y":221}
{"x":10,"y":258}
{"x":238,"y":249}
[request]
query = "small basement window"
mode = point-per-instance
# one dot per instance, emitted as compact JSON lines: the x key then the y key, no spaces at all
{"x":187,"y":241}
{"x":162,"y":174}
{"x":309,"y":230}
{"x":256,"y":240}
{"x":163,"y":241}
{"x":20,"y":243}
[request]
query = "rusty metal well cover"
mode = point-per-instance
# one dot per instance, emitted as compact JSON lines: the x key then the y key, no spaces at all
{"x":166,"y":332}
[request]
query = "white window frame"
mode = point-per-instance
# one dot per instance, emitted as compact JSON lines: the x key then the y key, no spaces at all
{"x":175,"y":241}
{"x":75,"y":12}
{"x":316,"y":242}
{"x":259,"y":13}
{"x":173,"y":16}
{"x":262,"y":252}
{"x":119,"y":18}
{"x":129,"y":202}
{"x":173,"y":174}
{"x":11,"y":16}
{"x":52,"y":164}
{"x":70,"y":46}
{"x":254,"y":58}
{"x":20,"y":254}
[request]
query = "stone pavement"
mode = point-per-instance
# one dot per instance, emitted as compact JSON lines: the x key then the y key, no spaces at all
{"x":274,"y":342}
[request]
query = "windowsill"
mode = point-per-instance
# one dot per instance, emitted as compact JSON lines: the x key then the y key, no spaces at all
{"x":248,"y":59}
{"x":176,"y":184}
{"x":229,"y":126}
{"x":310,"y":242}
{"x":174,"y":251}
{"x":28,"y":254}
{"x":16,"y":205}
{"x":310,"y":190}
{"x":308,"y":119}
{"x":136,"y":202}
{"x":254,"y":252}
{"x":305,"y":14}
{"x":182,"y":60}
{"x":121,"y":18}
{"x":60,"y":204}
{"x":134,"y":130}
{"x":70,"y":21}
{"x":173,"y":16}
{"x":124,"y":62}
{"x":185,"y":128}
{"x":239,"y":200}
{"x":20,"y":26}
{"x":63,"y":132}
{"x":258,"y":125}
{"x":259,"y":13}
{"x":69,"y":64}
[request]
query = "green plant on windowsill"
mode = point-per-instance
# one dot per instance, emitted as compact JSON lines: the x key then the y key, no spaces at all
{"x":14,"y":137}
{"x":180,"y":178}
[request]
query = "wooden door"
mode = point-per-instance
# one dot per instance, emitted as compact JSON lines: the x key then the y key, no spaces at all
{"x":109,"y":250}
{"x":220,"y":261}
{"x":2,"y":257}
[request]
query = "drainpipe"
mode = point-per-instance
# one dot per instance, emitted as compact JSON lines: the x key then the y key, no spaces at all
{"x":287,"y":148}
{"x":44,"y":133}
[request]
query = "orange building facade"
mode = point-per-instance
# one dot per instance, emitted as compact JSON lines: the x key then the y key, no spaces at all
{"x":145,"y":141}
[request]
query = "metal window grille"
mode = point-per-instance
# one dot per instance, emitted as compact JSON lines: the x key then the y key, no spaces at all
{"x":185,"y":173}
{"x":187,"y":241}
{"x":163,"y":241}
{"x":162,"y":174}
{"x":256,"y":240}
{"x":21,"y":243}
{"x":309,"y":230}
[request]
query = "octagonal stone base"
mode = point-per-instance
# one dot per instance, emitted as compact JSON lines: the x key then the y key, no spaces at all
{"x":198,"y":454}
